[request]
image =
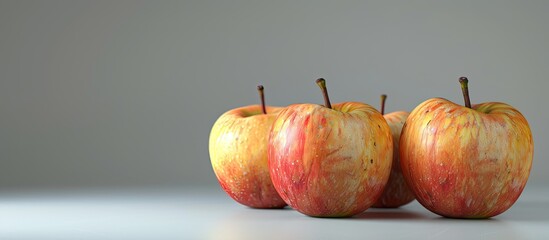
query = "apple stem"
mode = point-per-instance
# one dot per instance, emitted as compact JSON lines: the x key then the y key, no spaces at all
{"x":321,"y":82}
{"x":262,"y":96}
{"x":383,"y":98}
{"x":464,"y":81}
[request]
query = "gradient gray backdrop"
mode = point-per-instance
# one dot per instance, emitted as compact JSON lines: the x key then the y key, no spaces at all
{"x":124,"y":93}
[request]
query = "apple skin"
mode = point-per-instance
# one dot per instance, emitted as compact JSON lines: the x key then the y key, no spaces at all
{"x":330,"y":162}
{"x":238,"y":153}
{"x":396,"y":192}
{"x":466,"y":162}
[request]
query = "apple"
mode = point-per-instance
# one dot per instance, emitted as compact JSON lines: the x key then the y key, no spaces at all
{"x":396,"y":192}
{"x":466,"y":162}
{"x":238,"y":153}
{"x":330,"y":161}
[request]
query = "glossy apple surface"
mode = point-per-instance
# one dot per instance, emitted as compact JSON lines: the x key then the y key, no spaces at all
{"x":466,"y":162}
{"x":238,"y":153}
{"x":330,"y":162}
{"x":396,"y":192}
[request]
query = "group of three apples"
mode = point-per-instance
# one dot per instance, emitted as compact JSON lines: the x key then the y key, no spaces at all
{"x":338,"y":160}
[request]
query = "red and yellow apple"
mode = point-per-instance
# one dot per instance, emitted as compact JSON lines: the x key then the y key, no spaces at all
{"x":466,"y":162}
{"x":396,"y":192}
{"x":330,"y":161}
{"x":238,"y":153}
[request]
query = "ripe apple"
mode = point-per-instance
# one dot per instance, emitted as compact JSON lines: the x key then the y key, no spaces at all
{"x":238,"y":153}
{"x":330,"y":161}
{"x":396,"y":192}
{"x":466,"y":162}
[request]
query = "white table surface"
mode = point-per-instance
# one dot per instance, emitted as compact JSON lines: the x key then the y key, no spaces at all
{"x":210,"y":214}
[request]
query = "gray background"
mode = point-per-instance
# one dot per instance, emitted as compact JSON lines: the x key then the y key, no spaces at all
{"x":124,"y":93}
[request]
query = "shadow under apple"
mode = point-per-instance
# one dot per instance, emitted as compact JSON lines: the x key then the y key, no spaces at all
{"x":390,"y":214}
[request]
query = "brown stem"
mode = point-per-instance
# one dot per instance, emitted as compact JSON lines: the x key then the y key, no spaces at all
{"x":464,"y":81}
{"x":383,"y":98}
{"x":321,"y":82}
{"x":262,"y":96}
